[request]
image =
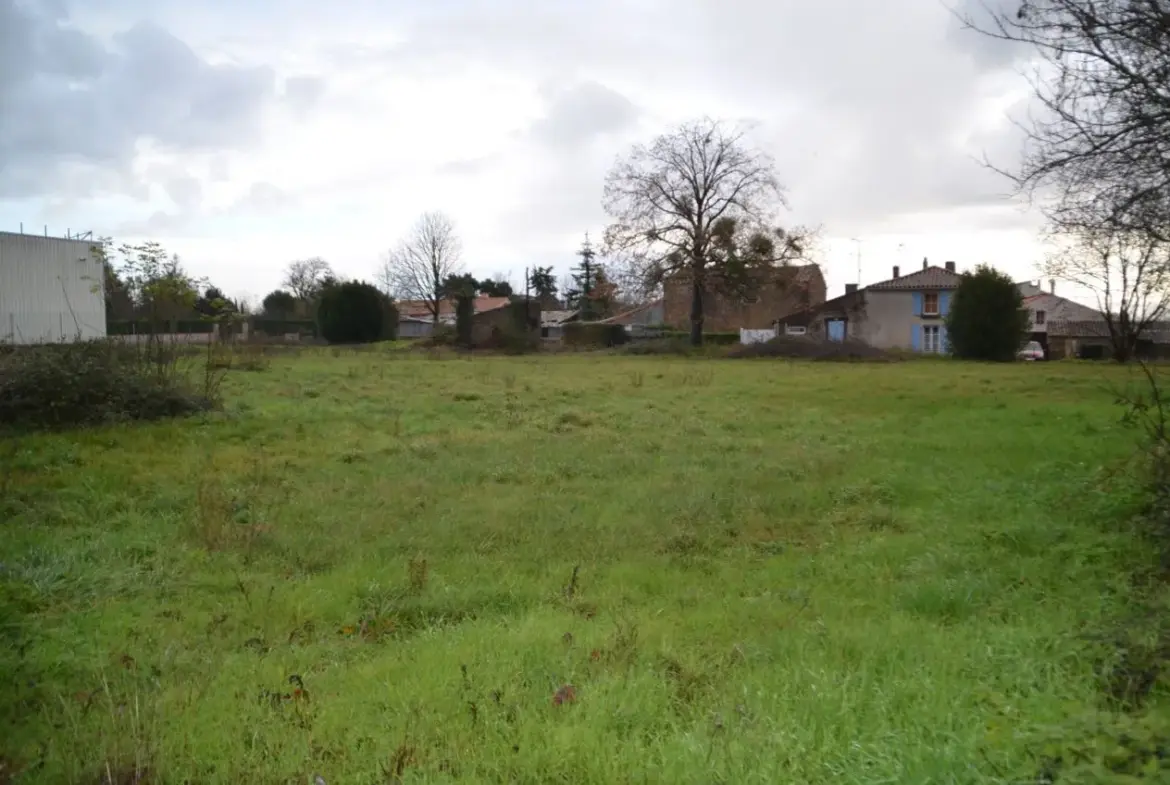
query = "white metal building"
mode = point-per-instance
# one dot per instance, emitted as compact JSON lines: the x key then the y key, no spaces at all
{"x":415,"y":327}
{"x":50,"y":290}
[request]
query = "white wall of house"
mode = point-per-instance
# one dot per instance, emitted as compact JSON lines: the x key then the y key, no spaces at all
{"x":50,"y":290}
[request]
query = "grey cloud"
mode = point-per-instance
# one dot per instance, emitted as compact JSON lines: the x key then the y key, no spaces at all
{"x":885,"y":104}
{"x":969,"y":17}
{"x":69,"y":100}
{"x":865,"y":104}
{"x":158,"y":222}
{"x":184,"y":191}
{"x":260,"y":198}
{"x":580,"y":112}
{"x":219,"y":168}
{"x":263,"y":197}
{"x":584,"y":122}
{"x":302,"y":93}
{"x":559,"y":40}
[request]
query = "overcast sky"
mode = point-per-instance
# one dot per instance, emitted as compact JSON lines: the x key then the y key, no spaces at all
{"x":245,"y":134}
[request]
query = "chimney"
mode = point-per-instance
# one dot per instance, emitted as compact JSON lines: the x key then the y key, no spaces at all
{"x":850,"y":288}
{"x":895,"y":271}
{"x":950,"y":267}
{"x":925,"y":264}
{"x":1052,"y":286}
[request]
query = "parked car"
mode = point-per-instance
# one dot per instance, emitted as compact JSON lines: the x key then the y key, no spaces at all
{"x":1032,"y":351}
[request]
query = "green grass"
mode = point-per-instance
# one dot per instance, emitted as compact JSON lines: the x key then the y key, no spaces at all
{"x":788,"y":572}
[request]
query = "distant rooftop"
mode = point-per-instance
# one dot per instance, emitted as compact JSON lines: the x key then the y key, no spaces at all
{"x":931,"y":277}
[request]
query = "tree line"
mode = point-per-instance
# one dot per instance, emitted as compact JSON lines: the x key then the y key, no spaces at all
{"x":698,"y":203}
{"x":701,"y":206}
{"x":144,"y":283}
{"x":426,"y":268}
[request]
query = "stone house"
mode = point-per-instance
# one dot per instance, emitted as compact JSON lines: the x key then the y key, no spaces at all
{"x":487,"y":324}
{"x":553,"y":321}
{"x":491,"y":313}
{"x":788,"y":289}
{"x":1089,"y":339}
{"x":1068,"y":329}
{"x":905,"y":312}
{"x":1054,"y":320}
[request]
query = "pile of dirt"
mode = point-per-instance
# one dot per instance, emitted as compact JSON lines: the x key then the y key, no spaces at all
{"x":806,"y":348}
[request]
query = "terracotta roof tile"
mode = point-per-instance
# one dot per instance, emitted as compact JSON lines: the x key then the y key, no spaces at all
{"x":931,"y":278}
{"x":421,"y":308}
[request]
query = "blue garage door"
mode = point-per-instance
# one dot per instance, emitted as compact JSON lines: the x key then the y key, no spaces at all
{"x":837,"y":330}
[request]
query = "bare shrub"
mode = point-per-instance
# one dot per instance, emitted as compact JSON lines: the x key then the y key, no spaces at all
{"x":94,"y":382}
{"x":799,"y":347}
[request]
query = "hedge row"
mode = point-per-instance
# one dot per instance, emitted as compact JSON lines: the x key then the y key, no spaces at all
{"x":717,"y":338}
{"x":269,"y":326}
{"x":595,"y":334}
{"x":164,"y":327}
{"x":262,"y":325}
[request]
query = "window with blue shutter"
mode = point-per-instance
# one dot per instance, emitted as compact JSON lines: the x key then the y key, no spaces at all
{"x":944,"y":345}
{"x":918,"y":303}
{"x":916,"y":337}
{"x":944,"y":303}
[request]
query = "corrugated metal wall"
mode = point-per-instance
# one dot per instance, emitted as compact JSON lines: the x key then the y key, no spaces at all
{"x":411,"y":329}
{"x":50,"y":290}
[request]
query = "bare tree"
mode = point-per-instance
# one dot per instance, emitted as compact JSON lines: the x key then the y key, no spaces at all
{"x":1101,"y":141}
{"x":1128,"y":271}
{"x":420,"y":263}
{"x":305,"y":277}
{"x":672,"y":200}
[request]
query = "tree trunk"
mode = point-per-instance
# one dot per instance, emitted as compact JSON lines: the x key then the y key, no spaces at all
{"x":1124,"y":339}
{"x":696,"y":310}
{"x":1124,"y":347}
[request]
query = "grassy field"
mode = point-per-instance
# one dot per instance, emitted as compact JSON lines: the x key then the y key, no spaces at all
{"x":747,"y":571}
